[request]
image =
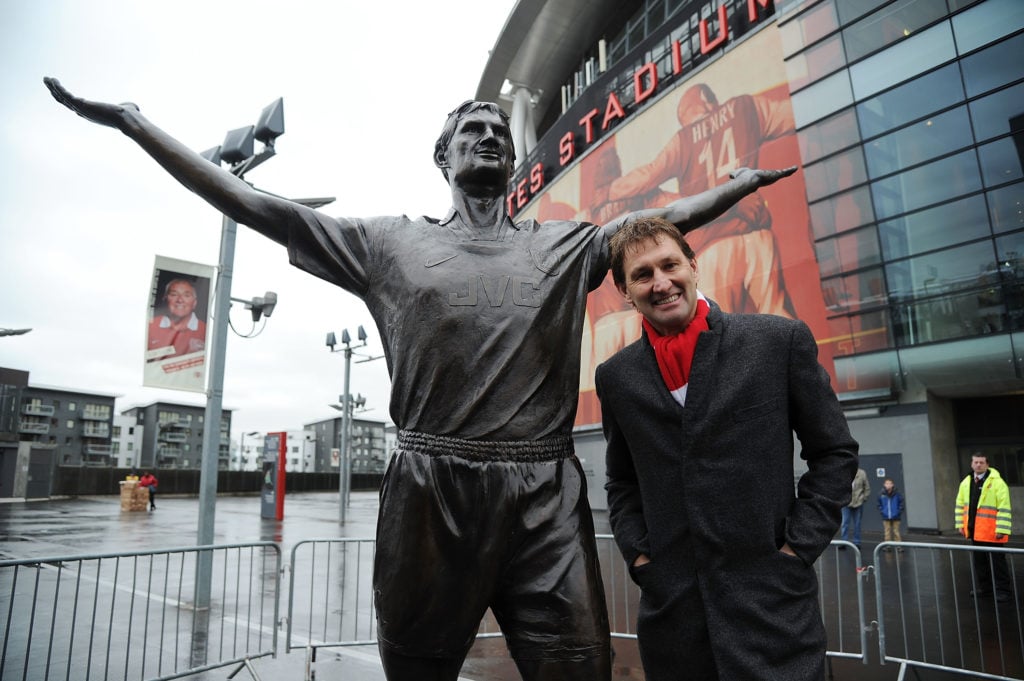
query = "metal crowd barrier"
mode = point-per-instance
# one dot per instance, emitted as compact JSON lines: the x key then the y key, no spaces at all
{"x":928,"y":618}
{"x":330,"y":594}
{"x":330,"y":601}
{"x":622,"y":596}
{"x":330,"y":587}
{"x":841,"y":575}
{"x":134,"y":615}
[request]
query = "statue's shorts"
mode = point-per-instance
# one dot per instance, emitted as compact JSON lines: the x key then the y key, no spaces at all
{"x":466,"y":525}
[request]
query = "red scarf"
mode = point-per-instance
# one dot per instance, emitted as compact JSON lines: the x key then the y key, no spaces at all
{"x":675,"y":353}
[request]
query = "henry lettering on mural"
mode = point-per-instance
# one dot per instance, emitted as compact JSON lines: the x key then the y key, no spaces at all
{"x":481,"y":321}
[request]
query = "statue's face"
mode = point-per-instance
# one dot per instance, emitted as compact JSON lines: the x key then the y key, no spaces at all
{"x":480,"y":151}
{"x":180,"y":299}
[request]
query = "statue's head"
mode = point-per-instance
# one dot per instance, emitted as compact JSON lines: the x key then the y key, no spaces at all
{"x":475,"y":127}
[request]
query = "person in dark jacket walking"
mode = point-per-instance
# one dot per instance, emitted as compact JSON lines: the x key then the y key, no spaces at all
{"x":699,"y":416}
{"x":890,"y":505}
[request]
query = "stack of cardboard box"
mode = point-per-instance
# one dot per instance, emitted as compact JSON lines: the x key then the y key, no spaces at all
{"x":133,"y":497}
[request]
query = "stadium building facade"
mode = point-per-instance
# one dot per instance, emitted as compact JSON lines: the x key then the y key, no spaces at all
{"x":900,"y":242}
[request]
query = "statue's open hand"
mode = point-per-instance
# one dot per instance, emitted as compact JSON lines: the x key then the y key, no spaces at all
{"x":764,"y":177}
{"x":98,"y":112}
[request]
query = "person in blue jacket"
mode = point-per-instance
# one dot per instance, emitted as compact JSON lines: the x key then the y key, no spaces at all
{"x":890,"y":505}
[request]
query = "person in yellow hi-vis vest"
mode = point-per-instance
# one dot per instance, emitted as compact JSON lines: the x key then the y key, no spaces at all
{"x":983,"y":516}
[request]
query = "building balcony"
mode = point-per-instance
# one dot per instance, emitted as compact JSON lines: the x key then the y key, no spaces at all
{"x":94,"y":415}
{"x":173,"y":436}
{"x":96,"y":459}
{"x":96,"y":430}
{"x":34,"y":428}
{"x":98,"y":450}
{"x":37,"y":409}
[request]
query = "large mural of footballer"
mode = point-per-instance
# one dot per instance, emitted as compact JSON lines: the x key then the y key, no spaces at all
{"x":757,"y":257}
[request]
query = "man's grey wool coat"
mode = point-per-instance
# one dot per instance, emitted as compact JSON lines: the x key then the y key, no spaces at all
{"x":707,"y":492}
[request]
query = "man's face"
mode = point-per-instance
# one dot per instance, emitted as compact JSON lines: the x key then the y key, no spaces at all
{"x":979,"y":464}
{"x":661,"y":283}
{"x":180,"y":299}
{"x":480,"y":151}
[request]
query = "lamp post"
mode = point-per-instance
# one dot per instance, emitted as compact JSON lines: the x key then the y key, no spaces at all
{"x":238,"y":152}
{"x":355,"y":402}
{"x":242,"y":459}
{"x":344,"y":464}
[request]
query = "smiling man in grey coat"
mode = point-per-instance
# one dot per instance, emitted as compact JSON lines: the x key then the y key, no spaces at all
{"x":699,"y":416}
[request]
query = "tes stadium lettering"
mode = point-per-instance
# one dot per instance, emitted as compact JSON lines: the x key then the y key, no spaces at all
{"x":714,"y":32}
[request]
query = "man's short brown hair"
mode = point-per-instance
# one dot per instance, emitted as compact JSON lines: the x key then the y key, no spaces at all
{"x":637,"y":231}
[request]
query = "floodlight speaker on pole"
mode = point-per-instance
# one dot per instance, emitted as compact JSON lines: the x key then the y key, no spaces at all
{"x":238,"y":145}
{"x":270,"y":124}
{"x":212,"y":155}
{"x":256,"y":308}
{"x":269,"y":303}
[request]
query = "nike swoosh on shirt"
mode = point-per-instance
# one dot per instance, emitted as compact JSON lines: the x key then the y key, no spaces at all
{"x":438,"y":262}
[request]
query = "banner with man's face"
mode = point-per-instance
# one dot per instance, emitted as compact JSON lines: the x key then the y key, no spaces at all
{"x":179,"y":302}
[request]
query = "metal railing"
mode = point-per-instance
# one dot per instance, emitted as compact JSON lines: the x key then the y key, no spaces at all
{"x":929,"y":617}
{"x":841,"y":576}
{"x":330,"y":598}
{"x":131,"y":615}
{"x":622,"y":596}
{"x":330,"y":587}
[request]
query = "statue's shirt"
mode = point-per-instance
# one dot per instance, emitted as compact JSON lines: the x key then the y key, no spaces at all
{"x":482,"y":337}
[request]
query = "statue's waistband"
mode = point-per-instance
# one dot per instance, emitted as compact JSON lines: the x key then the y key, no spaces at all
{"x":551,"y":449}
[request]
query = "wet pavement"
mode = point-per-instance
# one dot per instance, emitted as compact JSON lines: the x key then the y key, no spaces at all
{"x":92,"y":525}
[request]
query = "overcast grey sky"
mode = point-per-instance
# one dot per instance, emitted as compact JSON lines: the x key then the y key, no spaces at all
{"x":83,"y":211}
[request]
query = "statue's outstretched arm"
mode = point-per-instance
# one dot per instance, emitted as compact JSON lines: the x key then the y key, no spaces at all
{"x":267,"y":214}
{"x":690,"y":212}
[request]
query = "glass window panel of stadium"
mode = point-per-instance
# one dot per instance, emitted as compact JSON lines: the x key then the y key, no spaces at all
{"x":914,"y":158}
